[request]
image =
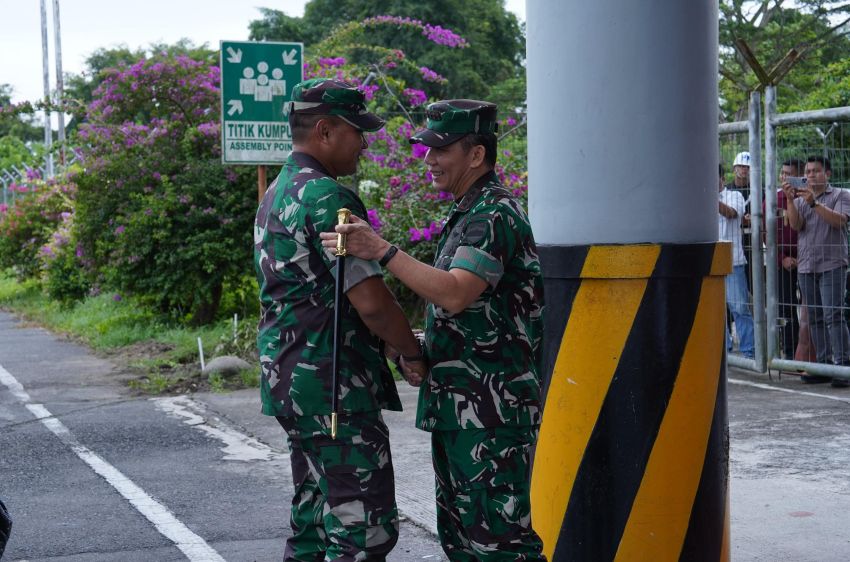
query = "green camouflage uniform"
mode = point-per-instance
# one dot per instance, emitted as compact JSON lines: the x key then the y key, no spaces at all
{"x":481,"y":400}
{"x":344,"y":502}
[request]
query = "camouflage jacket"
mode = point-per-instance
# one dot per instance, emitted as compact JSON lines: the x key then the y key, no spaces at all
{"x":486,"y":360}
{"x":296,"y":280}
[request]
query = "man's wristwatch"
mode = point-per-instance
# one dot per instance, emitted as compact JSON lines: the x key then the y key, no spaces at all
{"x":391,"y":252}
{"x":814,"y":204}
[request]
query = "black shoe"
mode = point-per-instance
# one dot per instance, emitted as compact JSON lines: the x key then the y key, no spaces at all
{"x":814,"y":379}
{"x":839,"y":383}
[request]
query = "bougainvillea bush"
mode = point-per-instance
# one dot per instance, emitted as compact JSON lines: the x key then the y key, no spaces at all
{"x":158,"y":216}
{"x":29,"y":226}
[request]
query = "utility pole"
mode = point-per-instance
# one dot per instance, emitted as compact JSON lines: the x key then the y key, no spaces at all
{"x":48,"y":127}
{"x":632,"y":458}
{"x":60,"y":82}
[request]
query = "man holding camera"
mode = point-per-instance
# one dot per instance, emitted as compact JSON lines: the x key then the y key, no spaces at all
{"x":819,"y":213}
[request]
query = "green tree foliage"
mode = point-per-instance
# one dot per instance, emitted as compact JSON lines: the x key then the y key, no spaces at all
{"x":815,"y":28}
{"x":17,"y":121}
{"x":496,"y":44}
{"x":15,"y":152}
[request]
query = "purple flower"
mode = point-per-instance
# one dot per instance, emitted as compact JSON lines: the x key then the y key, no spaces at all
{"x":119,"y":230}
{"x":415,"y":235}
{"x":209,"y":129}
{"x":510,"y":122}
{"x":395,"y":181}
{"x":442,"y":36}
{"x":430,"y":76}
{"x":331,"y":62}
{"x":419,"y":150}
{"x":415,"y":97}
{"x":117,"y":298}
{"x":374,"y":219}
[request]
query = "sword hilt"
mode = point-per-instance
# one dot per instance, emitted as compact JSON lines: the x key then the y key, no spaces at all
{"x":341,"y":218}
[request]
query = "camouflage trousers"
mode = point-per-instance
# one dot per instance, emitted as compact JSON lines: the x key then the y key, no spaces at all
{"x":483,"y":506}
{"x":344,"y":505}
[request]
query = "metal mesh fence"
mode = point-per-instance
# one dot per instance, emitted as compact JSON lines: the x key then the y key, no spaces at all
{"x":811,"y":285}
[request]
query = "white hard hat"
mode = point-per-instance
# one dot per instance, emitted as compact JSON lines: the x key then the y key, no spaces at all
{"x":742,"y":159}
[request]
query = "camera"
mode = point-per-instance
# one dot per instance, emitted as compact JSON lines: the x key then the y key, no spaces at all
{"x":797,"y":183}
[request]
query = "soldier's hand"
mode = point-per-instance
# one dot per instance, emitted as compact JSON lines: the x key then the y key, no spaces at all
{"x":391,"y":353}
{"x":361,"y":240}
{"x":414,"y":372}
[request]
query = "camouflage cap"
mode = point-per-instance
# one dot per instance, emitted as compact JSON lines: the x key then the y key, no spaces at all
{"x":451,"y":120}
{"x":323,"y":96}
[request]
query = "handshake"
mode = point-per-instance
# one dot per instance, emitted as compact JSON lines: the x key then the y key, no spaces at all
{"x":414,"y":369}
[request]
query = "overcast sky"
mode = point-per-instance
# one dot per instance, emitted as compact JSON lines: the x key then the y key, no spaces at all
{"x":91,"y":24}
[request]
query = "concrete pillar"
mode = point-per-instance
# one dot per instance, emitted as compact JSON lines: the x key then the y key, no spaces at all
{"x":632,"y":460}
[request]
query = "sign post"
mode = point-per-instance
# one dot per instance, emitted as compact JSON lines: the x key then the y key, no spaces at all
{"x":256,"y":81}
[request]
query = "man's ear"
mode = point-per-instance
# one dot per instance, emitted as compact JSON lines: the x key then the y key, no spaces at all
{"x":324,"y":128}
{"x":478,"y":154}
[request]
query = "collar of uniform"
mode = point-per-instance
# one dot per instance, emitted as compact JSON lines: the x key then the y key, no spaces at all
{"x":304,"y":160}
{"x":471,"y":195}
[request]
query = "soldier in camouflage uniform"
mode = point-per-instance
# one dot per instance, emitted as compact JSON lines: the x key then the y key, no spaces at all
{"x":344,"y":503}
{"x":481,"y":400}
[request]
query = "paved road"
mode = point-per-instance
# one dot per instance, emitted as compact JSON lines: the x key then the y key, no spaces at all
{"x":93,"y":473}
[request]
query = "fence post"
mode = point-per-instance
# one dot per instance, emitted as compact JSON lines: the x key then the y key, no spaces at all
{"x":771,"y":212}
{"x":756,"y":216}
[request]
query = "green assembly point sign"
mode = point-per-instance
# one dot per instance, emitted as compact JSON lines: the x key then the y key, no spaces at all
{"x":256,"y":80}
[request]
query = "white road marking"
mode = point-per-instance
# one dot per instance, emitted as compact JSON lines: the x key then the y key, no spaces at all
{"x":780,"y":389}
{"x":237,"y":445}
{"x":193,"y":546}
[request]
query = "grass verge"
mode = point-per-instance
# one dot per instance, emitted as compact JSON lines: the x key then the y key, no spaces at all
{"x":163,"y":356}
